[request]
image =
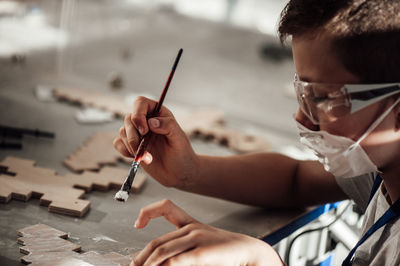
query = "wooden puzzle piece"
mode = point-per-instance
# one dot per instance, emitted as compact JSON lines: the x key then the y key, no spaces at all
{"x":118,"y":258}
{"x":44,"y":245}
{"x":209,"y":124}
{"x":43,"y":238}
{"x":244,"y":143}
{"x":75,"y":207}
{"x":61,"y":194}
{"x":194,"y":123}
{"x":41,"y":230}
{"x":96,"y":151}
{"x":39,"y":244}
{"x":49,"y":258}
{"x":13,"y":189}
{"x":95,"y":258}
{"x":107,"y":178}
{"x":101,"y":100}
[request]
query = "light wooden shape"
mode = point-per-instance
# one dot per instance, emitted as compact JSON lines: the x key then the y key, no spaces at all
{"x":61,"y":194}
{"x":92,"y":98}
{"x":44,"y":245}
{"x":96,"y":151}
{"x":209,"y":124}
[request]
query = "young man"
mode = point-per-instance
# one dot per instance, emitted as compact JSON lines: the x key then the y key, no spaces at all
{"x":346,"y":55}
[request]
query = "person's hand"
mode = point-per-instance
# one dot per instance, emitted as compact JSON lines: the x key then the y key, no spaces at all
{"x":194,"y":243}
{"x":170,"y":158}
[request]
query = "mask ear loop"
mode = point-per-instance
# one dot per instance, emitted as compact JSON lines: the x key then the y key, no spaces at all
{"x":373,"y":126}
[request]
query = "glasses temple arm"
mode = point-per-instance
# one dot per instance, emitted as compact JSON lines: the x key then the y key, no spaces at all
{"x":364,"y":95}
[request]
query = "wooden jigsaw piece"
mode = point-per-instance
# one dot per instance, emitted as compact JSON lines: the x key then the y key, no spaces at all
{"x":43,"y":238}
{"x":80,"y":165}
{"x":45,"y":245}
{"x":12,"y":188}
{"x":95,"y":258}
{"x":204,"y":118}
{"x":86,"y":97}
{"x":41,"y":230}
{"x":107,"y":178}
{"x":39,"y":244}
{"x":62,"y":194}
{"x":51,"y":258}
{"x":96,"y":151}
{"x":118,"y":258}
{"x":244,"y":143}
{"x":77,"y":207}
{"x":208,"y":123}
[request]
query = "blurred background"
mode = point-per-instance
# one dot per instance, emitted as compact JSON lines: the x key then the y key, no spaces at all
{"x":232,"y":59}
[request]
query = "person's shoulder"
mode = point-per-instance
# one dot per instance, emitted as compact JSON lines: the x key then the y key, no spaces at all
{"x":381,"y":248}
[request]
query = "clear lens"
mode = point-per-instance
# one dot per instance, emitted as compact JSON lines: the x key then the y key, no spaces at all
{"x":322,"y":102}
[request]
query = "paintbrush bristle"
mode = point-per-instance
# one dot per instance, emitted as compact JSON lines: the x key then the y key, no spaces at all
{"x":121,"y":196}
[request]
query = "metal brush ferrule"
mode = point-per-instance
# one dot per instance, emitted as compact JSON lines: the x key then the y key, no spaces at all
{"x":131,"y":176}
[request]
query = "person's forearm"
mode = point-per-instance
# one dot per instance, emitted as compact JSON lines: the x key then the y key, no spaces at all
{"x":264,"y":179}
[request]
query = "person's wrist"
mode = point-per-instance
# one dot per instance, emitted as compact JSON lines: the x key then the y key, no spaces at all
{"x":189,"y":177}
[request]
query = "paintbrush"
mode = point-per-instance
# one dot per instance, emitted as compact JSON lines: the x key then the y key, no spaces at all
{"x":123,"y":193}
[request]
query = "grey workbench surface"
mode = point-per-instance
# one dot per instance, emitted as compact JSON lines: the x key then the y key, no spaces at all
{"x":221,"y":67}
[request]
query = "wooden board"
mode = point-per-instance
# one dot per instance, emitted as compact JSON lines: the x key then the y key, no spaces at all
{"x":61,"y":194}
{"x":44,"y":245}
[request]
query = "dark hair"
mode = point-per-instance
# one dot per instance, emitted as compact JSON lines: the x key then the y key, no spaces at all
{"x":365,"y":33}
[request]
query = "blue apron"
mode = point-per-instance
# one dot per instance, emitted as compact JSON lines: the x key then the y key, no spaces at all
{"x":391,"y":213}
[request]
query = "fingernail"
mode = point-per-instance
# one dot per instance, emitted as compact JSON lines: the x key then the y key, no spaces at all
{"x":135,"y":224}
{"x":154,"y":122}
{"x":146,"y":159}
{"x":141,"y":130}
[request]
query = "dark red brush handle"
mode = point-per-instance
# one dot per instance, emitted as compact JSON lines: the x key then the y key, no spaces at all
{"x":145,"y":139}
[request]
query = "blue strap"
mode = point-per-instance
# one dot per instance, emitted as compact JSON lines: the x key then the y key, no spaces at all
{"x":391,"y":213}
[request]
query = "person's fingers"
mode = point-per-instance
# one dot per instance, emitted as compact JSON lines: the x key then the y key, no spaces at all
{"x":183,"y":259}
{"x":132,"y":135}
{"x":120,"y":147}
{"x":170,"y":249}
{"x":166,"y":126}
{"x":122,"y":135}
{"x":142,"y":108}
{"x":166,"y":208}
{"x":154,"y":244}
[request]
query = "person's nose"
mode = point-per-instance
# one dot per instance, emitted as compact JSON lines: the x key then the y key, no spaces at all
{"x":305,"y":121}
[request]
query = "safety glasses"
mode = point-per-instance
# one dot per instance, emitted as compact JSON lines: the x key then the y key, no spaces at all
{"x":322,"y":102}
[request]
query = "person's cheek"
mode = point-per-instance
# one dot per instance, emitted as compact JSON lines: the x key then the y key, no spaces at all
{"x":303,"y":119}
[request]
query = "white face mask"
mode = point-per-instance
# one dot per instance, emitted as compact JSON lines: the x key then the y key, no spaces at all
{"x":341,"y":156}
